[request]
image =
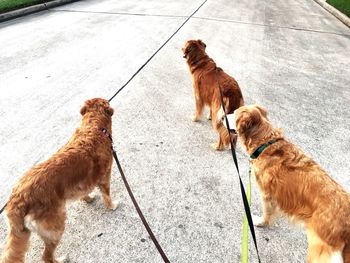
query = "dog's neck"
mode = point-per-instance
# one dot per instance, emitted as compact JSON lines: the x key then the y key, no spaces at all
{"x":254,"y":141}
{"x":97,"y":120}
{"x":195,"y":62}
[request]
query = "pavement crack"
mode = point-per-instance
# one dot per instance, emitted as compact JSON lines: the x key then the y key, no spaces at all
{"x":202,"y":18}
{"x":267,"y":25}
{"x":116,"y":13}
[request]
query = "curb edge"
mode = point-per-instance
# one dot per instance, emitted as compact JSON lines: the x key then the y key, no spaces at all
{"x":335,"y":12}
{"x":32,"y":9}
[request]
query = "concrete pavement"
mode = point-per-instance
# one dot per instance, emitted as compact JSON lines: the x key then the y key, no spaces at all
{"x":290,"y":56}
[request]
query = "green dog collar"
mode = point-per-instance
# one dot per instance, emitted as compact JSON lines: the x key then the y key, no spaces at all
{"x":258,"y":151}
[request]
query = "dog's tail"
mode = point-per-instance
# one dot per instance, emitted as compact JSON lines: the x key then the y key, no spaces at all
{"x":225,"y":135}
{"x":221,"y":129}
{"x":18,"y":236}
{"x":346,"y":253}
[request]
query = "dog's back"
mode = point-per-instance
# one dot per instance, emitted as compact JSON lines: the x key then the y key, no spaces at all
{"x":230,"y":91}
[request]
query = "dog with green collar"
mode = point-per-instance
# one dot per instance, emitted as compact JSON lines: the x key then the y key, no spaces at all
{"x":292,"y":183}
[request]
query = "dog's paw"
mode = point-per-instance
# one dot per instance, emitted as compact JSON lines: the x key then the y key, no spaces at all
{"x":217,"y":147}
{"x":209,"y":116}
{"x":195,"y":118}
{"x":63,"y":259}
{"x":89,"y":198}
{"x":114,"y":205}
{"x":258,"y":221}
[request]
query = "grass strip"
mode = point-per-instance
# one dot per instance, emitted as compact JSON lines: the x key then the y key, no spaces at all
{"x":342,"y":5}
{"x":10,"y":5}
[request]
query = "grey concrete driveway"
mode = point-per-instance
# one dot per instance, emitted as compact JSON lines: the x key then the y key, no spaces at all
{"x":290,"y":56}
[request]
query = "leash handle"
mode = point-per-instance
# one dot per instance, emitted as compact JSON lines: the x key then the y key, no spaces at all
{"x":143,"y":219}
{"x":244,"y":196}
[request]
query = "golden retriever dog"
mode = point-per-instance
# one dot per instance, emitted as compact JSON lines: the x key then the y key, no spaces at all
{"x":37,"y":203}
{"x":292,"y":183}
{"x":205,"y":77}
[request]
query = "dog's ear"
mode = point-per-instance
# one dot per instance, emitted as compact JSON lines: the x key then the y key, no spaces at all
{"x":262,"y":110}
{"x":189,"y":48}
{"x":243,"y":123}
{"x":109,"y":111}
{"x":247,"y":121}
{"x":202,"y":43}
{"x":85,"y":107}
{"x":83,"y":110}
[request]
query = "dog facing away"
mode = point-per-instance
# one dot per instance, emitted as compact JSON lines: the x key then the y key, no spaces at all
{"x":37,"y":202}
{"x":205,"y":77}
{"x":292,"y":183}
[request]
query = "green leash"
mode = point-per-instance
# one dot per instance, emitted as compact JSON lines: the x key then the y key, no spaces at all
{"x":241,"y":186}
{"x":245,"y":225}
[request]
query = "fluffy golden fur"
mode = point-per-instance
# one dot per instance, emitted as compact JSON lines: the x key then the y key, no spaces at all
{"x":291,"y":182}
{"x":205,"y":77}
{"x":37,"y":202}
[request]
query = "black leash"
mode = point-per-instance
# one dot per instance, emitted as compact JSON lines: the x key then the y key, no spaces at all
{"x":244,"y":196}
{"x":155,"y":53}
{"x":143,"y":219}
{"x":2,"y":209}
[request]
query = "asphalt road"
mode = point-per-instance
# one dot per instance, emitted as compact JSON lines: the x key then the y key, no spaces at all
{"x":290,"y":56}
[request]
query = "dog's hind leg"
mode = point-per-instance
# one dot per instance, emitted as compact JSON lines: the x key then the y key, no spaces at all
{"x":17,"y":241}
{"x":199,"y":107}
{"x":50,"y":229}
{"x":233,"y":138}
{"x":224,"y":137}
{"x":105,"y":186}
{"x":321,"y":252}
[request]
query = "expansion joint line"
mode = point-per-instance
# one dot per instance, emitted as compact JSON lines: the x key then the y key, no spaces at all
{"x":155,"y":53}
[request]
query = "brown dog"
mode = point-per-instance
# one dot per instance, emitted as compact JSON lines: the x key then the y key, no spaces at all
{"x":37,"y":202}
{"x":293,"y":183}
{"x":206,"y":76}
